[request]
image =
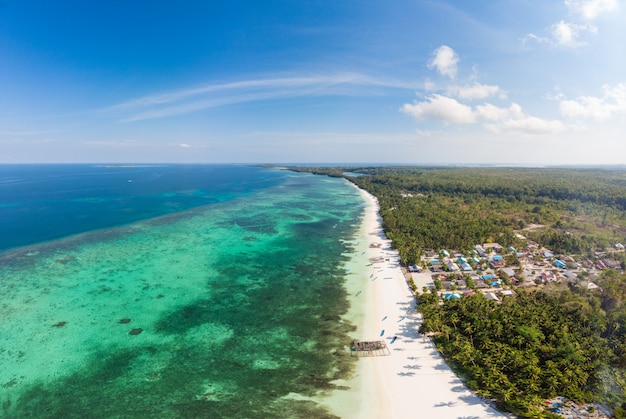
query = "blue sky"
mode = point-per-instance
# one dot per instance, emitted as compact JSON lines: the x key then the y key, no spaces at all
{"x":511,"y":81}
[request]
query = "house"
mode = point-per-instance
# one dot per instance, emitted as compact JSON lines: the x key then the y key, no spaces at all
{"x":461,"y":259}
{"x":444,"y":253}
{"x":452,"y":266}
{"x":588,"y":285}
{"x":600,"y":265}
{"x":612,"y":263}
{"x":559,"y":264}
{"x":547,"y":254}
{"x":547,"y":277}
{"x":619,"y":246}
{"x":415,"y":268}
{"x":570,"y":275}
{"x":506,"y":293}
{"x":495,"y":246}
{"x":492,"y":296}
{"x":466,"y":266}
{"x":446,"y":285}
{"x":509,"y":272}
{"x":480,"y":250}
{"x":497,"y":262}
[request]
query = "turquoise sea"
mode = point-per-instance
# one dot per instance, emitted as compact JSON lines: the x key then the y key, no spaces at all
{"x":172,"y":291}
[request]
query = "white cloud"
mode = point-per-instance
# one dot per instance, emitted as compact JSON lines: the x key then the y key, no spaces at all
{"x":184,"y":145}
{"x":441,"y":108}
{"x":445,"y":61}
{"x":594,"y":108}
{"x":496,"y":119}
{"x":475,"y":91}
{"x":590,"y":9}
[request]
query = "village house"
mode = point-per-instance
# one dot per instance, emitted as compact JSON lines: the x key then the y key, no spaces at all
{"x":496,"y":262}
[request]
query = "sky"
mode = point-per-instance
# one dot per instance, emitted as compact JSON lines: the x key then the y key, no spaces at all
{"x":519,"y":82}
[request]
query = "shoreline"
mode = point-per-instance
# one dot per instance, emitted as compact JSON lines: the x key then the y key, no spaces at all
{"x":413,"y":380}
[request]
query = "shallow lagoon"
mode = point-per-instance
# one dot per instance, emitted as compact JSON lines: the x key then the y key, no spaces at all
{"x":231,"y":309}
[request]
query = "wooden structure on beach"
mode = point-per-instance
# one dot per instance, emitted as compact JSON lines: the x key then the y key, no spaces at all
{"x":369,"y":348}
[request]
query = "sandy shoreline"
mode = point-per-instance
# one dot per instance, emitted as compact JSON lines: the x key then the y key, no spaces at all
{"x":413,"y":381}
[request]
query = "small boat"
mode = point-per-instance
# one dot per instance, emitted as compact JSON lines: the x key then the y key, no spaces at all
{"x":394,"y":339}
{"x":382,"y":332}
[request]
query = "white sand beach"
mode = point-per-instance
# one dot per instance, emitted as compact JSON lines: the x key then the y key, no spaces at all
{"x":413,"y":381}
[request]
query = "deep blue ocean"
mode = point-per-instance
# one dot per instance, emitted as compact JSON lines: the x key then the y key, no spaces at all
{"x":173,"y":291}
{"x":44,"y":202}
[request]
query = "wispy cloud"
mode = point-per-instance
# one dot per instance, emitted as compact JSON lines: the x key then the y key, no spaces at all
{"x":572,"y":34}
{"x":591,"y":9}
{"x":188,"y":100}
{"x":565,"y":34}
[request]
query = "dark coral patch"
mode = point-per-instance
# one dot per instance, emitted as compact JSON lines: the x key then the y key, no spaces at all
{"x":136,"y":331}
{"x":125,"y":321}
{"x":59,"y":324}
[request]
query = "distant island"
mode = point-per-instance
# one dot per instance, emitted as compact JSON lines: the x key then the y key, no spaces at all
{"x":527,"y":291}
